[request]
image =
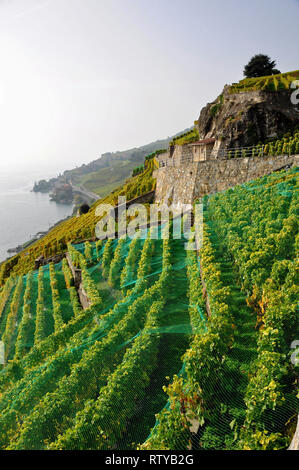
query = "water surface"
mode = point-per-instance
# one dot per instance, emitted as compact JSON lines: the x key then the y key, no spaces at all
{"x":23,"y":213}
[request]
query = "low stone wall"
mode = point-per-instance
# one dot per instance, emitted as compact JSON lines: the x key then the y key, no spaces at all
{"x":193,"y":180}
{"x":143,"y":199}
{"x":296,"y":161}
{"x":41,"y":261}
{"x":84,"y":300}
{"x":295,"y":441}
{"x":77,"y":275}
{"x":76,"y":272}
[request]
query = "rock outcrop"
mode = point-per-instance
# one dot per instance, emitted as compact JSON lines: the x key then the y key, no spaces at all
{"x":244,"y":119}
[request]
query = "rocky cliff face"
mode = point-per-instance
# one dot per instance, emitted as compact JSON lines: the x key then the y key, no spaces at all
{"x":244,"y":119}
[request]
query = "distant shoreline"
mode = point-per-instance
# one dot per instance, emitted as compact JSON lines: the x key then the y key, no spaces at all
{"x":37,"y":236}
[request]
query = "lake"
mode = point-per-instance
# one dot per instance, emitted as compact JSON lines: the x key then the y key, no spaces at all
{"x":23,"y":213}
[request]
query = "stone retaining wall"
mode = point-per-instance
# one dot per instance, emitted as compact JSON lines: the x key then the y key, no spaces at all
{"x":295,"y":441}
{"x":143,"y":199}
{"x":77,"y":275}
{"x":41,"y":261}
{"x":76,"y":272}
{"x":84,"y":300}
{"x":193,"y":180}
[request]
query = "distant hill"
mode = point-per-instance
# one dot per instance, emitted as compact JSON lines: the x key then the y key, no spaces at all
{"x":110,"y":170}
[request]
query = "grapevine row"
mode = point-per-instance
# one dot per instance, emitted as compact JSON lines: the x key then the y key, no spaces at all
{"x":26,"y":327}
{"x":128,"y":273}
{"x":116,"y":263}
{"x":57,"y":312}
{"x":72,"y":390}
{"x":190,"y":395}
{"x":11,"y":322}
{"x":102,"y":422}
{"x":40,"y":320}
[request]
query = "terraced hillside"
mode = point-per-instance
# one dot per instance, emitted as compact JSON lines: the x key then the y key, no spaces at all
{"x":280,"y":81}
{"x":212,"y":329}
{"x":76,"y":228}
{"x":240,"y":387}
{"x":120,"y":346}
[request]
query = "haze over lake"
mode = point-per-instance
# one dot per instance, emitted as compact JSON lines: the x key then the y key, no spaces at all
{"x":23,"y":213}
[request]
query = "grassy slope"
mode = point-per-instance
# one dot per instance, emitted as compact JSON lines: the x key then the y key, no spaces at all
{"x":97,"y":176}
{"x":105,"y":180}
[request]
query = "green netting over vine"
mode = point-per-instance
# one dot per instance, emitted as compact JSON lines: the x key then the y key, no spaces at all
{"x":140,"y":293}
{"x":239,"y":387}
{"x":160,"y":347}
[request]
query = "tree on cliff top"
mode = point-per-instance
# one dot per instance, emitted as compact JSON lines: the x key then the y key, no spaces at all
{"x":260,"y":65}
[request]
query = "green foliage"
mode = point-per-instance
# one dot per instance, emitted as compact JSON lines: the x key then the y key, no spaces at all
{"x":107,"y":414}
{"x":40,"y":322}
{"x":83,"y":384}
{"x":154,"y":154}
{"x":257,"y":224}
{"x":145,"y":264}
{"x":107,"y":257}
{"x":76,"y":228}
{"x":76,"y":306}
{"x":11,"y":322}
{"x":92,"y":364}
{"x":99,"y":245}
{"x":68,"y":277}
{"x":4,"y":296}
{"x":129,"y":271}
{"x":88,"y":252}
{"x":273,"y":83}
{"x":186,"y":138}
{"x":137,"y":170}
{"x":202,"y":360}
{"x":260,"y":65}
{"x":216,"y":107}
{"x":117,"y":263}
{"x":57,"y":313}
{"x":90,"y":288}
{"x":26,"y":327}
{"x":77,"y":258}
{"x":287,"y":145}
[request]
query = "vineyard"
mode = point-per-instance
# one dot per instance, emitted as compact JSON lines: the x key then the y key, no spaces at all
{"x":281,"y":81}
{"x":186,"y":138}
{"x":176,"y":349}
{"x":76,"y":228}
{"x":287,"y":145}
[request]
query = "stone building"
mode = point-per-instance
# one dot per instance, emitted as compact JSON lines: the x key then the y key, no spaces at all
{"x":179,"y":155}
{"x":203,"y":150}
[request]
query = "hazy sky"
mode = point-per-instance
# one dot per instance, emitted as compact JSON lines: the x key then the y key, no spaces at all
{"x":83,"y":77}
